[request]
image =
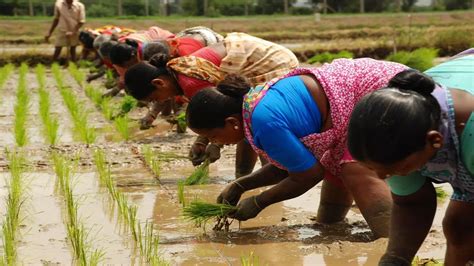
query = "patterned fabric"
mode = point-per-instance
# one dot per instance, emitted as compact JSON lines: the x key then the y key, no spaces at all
{"x":344,"y":82}
{"x":150,"y":35}
{"x":209,"y":36}
{"x":256,"y":59}
{"x":201,"y":68}
{"x":183,"y":46}
{"x":447,"y":165}
{"x":110,"y":29}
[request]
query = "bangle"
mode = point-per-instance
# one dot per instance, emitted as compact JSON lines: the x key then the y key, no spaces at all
{"x":256,"y":203}
{"x":239,"y":185}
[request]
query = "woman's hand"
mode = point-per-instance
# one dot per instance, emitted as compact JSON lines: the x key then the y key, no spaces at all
{"x":231,"y":194}
{"x":247,"y":209}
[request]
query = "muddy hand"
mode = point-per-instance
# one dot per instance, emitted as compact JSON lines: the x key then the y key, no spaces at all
{"x":146,"y":123}
{"x":247,"y":209}
{"x":197,"y":154}
{"x":213,"y":152}
{"x":46,"y":38}
{"x":231,"y":194}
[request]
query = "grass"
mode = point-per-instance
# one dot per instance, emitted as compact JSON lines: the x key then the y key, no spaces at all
{"x":199,"y":176}
{"x":200,"y":212}
{"x":50,"y":122}
{"x":152,"y":160}
{"x":78,"y":113}
{"x":421,"y":59}
{"x":78,"y":235}
{"x":21,"y":108}
{"x":250,"y":260}
{"x":122,"y":126}
{"x":14,"y":202}
{"x":329,"y":57}
{"x":145,"y":239}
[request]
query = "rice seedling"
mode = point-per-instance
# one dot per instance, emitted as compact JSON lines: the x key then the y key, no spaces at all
{"x":122,"y":126}
{"x":77,"y":233}
{"x":199,"y":176}
{"x":181,"y":198}
{"x":181,"y":122}
{"x":152,"y":160}
{"x":200,"y":213}
{"x":250,"y":260}
{"x":14,"y":202}
{"x":5,"y":73}
{"x":77,"y":74}
{"x":21,"y":108}
{"x":421,"y":59}
{"x":94,"y":95}
{"x":441,"y":193}
{"x":127,"y":104}
{"x":149,"y":244}
{"x":107,"y":108}
{"x":426,"y":262}
{"x":110,"y":79}
{"x":76,"y":109}
{"x":50,"y":123}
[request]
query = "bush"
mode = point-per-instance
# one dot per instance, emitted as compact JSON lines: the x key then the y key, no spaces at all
{"x":328,"y":57}
{"x":98,"y":10}
{"x":301,"y":11}
{"x":421,"y":59}
{"x":454,"y":41}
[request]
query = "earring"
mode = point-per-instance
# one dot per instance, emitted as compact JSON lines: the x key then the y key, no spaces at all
{"x":437,"y":145}
{"x":236,"y":127}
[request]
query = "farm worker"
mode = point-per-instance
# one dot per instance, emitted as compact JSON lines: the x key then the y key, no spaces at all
{"x":298,"y":122}
{"x":252,"y":57}
{"x":415,"y":132}
{"x":69,"y":16}
{"x":125,"y":55}
{"x":88,"y":35}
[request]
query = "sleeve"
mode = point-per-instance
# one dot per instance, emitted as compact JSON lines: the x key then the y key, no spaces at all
{"x":82,"y":15}
{"x":406,"y":185}
{"x":284,"y":147}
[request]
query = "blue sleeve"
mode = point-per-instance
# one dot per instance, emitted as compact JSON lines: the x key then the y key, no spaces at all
{"x":406,"y":185}
{"x":284,"y":147}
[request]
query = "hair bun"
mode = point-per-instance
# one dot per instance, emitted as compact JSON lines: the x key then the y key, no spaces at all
{"x":159,"y":60}
{"x":132,"y":43}
{"x":234,"y":86}
{"x":413,"y":80}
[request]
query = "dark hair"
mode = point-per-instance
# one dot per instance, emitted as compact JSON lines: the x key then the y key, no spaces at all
{"x":104,"y":50}
{"x":391,"y":123}
{"x":121,"y":53}
{"x":210,"y":107}
{"x":152,"y":48}
{"x":138,"y":78}
{"x":87,"y":39}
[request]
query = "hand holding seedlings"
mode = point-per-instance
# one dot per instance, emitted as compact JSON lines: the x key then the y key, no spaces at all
{"x":201,"y":212}
{"x":231,"y":193}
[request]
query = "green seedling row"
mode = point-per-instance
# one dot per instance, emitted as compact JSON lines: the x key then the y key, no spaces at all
{"x":143,"y":235}
{"x":5,"y":73}
{"x":200,"y":175}
{"x":78,"y":235}
{"x":14,"y":202}
{"x":21,"y":108}
{"x":152,"y":160}
{"x":50,"y":122}
{"x":78,"y":113}
{"x":77,"y":74}
{"x":122,"y":126}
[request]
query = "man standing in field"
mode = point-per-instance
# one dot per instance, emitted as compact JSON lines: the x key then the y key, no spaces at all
{"x":69,"y":16}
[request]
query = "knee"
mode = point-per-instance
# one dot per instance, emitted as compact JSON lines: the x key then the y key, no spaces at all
{"x":457,"y":230}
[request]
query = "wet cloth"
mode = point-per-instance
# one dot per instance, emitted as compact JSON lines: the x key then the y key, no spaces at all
{"x":345,"y":82}
{"x":287,"y":113}
{"x":208,"y":35}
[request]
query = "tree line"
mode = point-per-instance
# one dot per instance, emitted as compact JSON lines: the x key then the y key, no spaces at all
{"x":212,"y":8}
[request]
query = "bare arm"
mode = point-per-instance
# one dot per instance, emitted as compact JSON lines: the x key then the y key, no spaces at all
{"x":265,"y":176}
{"x":78,"y":26}
{"x":411,"y":220}
{"x":53,"y":26}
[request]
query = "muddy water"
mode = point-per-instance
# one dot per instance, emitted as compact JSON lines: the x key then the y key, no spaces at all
{"x":283,"y":234}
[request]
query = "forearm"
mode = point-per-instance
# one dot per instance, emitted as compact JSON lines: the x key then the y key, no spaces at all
{"x":266,"y":176}
{"x":78,"y":26}
{"x":53,"y":26}
{"x":410,"y":223}
{"x":287,"y":189}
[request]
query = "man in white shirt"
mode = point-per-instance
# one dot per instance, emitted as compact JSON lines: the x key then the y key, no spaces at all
{"x":69,"y":16}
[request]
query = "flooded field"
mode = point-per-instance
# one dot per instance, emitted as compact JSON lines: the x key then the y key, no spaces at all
{"x":283,"y":234}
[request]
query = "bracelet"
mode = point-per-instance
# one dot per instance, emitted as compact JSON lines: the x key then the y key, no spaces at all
{"x":256,"y":203}
{"x":239,"y":185}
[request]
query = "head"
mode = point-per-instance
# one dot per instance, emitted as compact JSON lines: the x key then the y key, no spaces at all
{"x":216,"y":113}
{"x":124,"y":55}
{"x":104,"y":50}
{"x":150,"y":80}
{"x":394,"y":130}
{"x":87,"y":39}
{"x":152,"y":48}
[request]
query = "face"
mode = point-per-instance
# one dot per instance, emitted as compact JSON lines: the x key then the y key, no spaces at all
{"x":411,"y":163}
{"x":165,"y":88}
{"x":231,"y":133}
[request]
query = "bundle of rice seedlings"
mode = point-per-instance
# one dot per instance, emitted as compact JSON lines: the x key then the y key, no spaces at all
{"x":250,"y":260}
{"x":181,"y":122}
{"x":127,"y":104}
{"x":201,"y":212}
{"x":200,"y":175}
